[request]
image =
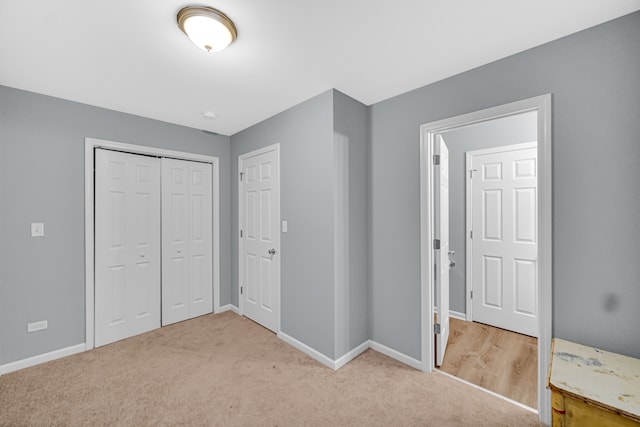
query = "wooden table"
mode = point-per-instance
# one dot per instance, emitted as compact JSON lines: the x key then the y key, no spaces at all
{"x":591,"y":387}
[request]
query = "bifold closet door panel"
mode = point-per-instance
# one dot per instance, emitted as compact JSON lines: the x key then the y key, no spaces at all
{"x":201,"y":239}
{"x":127,"y":245}
{"x":175,"y":247}
{"x":187,"y":287}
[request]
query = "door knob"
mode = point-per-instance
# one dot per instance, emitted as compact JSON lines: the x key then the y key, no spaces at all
{"x":272,"y":251}
{"x":452,"y":264}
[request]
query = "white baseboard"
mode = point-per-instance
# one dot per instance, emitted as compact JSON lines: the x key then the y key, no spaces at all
{"x":394,"y":354}
{"x":311,"y":352}
{"x":457,"y":315}
{"x":339,"y":363}
{"x":454,"y":314}
{"x":349,"y":356}
{"x":42,"y":358}
{"x":228,"y":307}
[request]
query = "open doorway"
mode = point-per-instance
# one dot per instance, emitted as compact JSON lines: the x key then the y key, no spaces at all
{"x":490,"y":251}
{"x":486,"y":249}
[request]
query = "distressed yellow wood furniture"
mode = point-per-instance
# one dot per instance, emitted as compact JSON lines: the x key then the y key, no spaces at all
{"x":593,"y":388}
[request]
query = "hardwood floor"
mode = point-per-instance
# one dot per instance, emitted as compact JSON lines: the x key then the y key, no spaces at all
{"x":501,"y":361}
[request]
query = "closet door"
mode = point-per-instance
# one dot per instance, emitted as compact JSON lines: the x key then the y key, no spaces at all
{"x":187,"y":279}
{"x":200,"y":239}
{"x":127,"y":245}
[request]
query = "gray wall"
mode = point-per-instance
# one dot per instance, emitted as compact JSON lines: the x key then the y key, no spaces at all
{"x":350,"y":119}
{"x":42,"y":180}
{"x":312,"y":310}
{"x":305,"y":134}
{"x":593,"y":76}
{"x":495,"y":133}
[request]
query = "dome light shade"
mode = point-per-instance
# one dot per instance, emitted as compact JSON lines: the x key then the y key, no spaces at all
{"x":208,"y":28}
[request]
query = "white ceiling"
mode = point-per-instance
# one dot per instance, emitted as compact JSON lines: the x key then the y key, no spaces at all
{"x":130,"y":55}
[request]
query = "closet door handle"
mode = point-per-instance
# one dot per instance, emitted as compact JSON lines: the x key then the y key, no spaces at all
{"x":272,"y":251}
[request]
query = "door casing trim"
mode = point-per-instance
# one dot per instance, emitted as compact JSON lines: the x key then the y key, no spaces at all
{"x":90,"y":144}
{"x":542,"y":105}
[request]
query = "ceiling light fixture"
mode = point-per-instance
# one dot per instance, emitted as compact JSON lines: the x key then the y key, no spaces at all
{"x":208,"y":28}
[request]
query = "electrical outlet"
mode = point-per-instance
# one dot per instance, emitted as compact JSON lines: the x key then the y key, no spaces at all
{"x":37,"y":326}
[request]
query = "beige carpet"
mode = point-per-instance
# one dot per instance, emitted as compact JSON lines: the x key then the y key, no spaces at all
{"x":224,"y":370}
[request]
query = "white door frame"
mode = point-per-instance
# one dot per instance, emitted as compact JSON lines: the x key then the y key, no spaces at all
{"x":541,"y":104}
{"x":469,"y":217}
{"x":90,"y":144}
{"x":274,"y":147}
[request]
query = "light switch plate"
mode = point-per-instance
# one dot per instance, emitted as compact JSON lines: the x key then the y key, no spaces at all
{"x":37,"y":229}
{"x":284,"y":226}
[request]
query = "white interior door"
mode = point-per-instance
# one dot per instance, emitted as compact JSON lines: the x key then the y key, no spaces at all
{"x":505,"y":241}
{"x":186,"y":240}
{"x":127,"y":245}
{"x":441,"y":182}
{"x":259,"y":264}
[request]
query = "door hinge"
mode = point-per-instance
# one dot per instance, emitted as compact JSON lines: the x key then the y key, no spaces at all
{"x":436,"y":243}
{"x":436,"y":328}
{"x":241,"y":290}
{"x":471,"y":234}
{"x":436,"y":159}
{"x":471,"y":294}
{"x":241,"y":173}
{"x":240,"y":233}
